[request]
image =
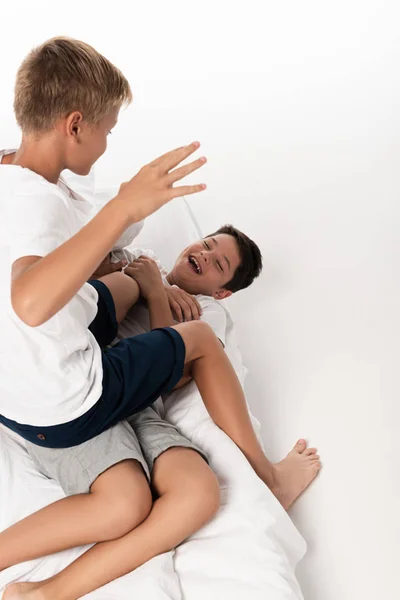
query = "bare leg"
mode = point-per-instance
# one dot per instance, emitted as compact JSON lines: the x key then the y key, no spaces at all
{"x":124,"y":290}
{"x":189,"y":497}
{"x":119,"y":500}
{"x":224,"y":399}
{"x":86,"y":518}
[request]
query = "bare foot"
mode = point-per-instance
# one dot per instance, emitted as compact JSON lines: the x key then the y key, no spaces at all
{"x":290,"y":477}
{"x":23,"y":591}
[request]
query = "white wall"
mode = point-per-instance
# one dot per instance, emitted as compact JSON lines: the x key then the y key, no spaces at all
{"x":297,"y":107}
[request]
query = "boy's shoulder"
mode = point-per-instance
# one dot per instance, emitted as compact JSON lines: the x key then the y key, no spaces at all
{"x":210,"y":302}
{"x":214,"y":314}
{"x":29,"y":203}
{"x":20,"y":181}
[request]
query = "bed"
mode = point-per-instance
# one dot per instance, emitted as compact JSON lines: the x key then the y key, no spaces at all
{"x":251,"y":548}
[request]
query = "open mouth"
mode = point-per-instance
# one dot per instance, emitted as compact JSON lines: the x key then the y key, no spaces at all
{"x":195,"y":265}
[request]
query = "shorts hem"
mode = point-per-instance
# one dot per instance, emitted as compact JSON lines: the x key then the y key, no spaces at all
{"x":106,"y":296}
{"x":91,"y":474}
{"x":150,"y":460}
{"x":180,"y":355}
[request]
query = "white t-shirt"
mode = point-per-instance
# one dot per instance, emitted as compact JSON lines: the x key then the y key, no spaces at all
{"x":49,"y":374}
{"x":138,"y":320}
{"x":87,"y":202}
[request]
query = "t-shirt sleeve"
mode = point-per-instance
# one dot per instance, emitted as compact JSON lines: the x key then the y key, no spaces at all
{"x":129,"y":235}
{"x":36,"y":224}
{"x":214,"y":315}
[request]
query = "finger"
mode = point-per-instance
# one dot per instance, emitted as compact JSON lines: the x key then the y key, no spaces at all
{"x":186,"y":310}
{"x":157,"y":161}
{"x":172,"y":159}
{"x":196,"y":303}
{"x":118,"y":265}
{"x":194,"y":309}
{"x":145,"y":260}
{"x":131,"y":271}
{"x":185,"y":190}
{"x":176,"y":311}
{"x":195,"y":312}
{"x":180,"y":173}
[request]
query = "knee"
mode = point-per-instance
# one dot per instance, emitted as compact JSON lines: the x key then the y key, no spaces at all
{"x":124,"y":290}
{"x":203,"y":494}
{"x":204,"y":335}
{"x":124,"y":512}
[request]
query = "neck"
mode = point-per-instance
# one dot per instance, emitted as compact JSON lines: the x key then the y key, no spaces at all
{"x":39,"y":155}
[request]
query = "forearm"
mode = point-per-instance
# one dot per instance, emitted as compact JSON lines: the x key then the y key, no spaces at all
{"x":45,"y":287}
{"x":160,"y":312}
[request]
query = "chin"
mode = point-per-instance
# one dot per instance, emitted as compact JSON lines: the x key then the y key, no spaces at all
{"x":83,"y":171}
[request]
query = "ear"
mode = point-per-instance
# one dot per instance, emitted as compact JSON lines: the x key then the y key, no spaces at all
{"x":74,"y":124}
{"x":222,"y":294}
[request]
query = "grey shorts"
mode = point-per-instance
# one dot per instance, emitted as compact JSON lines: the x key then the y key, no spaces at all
{"x":142,"y":437}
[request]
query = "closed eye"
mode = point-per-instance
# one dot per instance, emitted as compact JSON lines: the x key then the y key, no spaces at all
{"x":206,"y":245}
{"x":220,"y":266}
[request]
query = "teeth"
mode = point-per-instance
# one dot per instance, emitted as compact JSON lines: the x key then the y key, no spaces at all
{"x":196,"y":264}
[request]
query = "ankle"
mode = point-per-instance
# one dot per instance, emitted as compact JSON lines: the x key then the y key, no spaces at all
{"x":266,"y":471}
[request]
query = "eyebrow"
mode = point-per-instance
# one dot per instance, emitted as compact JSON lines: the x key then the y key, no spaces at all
{"x":225,"y":257}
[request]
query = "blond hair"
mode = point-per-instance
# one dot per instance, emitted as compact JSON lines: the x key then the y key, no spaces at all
{"x":61,"y":76}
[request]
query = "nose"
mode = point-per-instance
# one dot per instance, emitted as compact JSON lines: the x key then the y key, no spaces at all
{"x":204,"y":256}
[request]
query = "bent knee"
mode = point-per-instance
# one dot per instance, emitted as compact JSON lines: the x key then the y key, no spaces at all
{"x":204,"y":494}
{"x":202,"y":329}
{"x":198,"y":335}
{"x":123,"y":512}
{"x":124,"y":290}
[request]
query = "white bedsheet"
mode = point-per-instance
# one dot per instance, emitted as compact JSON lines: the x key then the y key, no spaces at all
{"x":248,"y":552}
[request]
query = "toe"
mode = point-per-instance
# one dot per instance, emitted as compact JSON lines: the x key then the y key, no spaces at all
{"x":309,"y":451}
{"x":300,"y":446}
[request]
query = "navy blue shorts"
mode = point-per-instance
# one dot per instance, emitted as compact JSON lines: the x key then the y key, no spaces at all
{"x":136,"y":371}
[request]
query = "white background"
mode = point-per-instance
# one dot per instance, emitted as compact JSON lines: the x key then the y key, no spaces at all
{"x":297,"y":108}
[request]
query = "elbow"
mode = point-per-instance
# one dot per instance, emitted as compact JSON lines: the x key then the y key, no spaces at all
{"x":26,"y":309}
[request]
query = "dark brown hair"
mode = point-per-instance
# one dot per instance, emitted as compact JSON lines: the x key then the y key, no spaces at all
{"x":61,"y":76}
{"x":250,"y":259}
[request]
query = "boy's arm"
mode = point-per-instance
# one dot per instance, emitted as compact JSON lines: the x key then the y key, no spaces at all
{"x":146,"y":273}
{"x":42,"y":286}
{"x":159,"y":310}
